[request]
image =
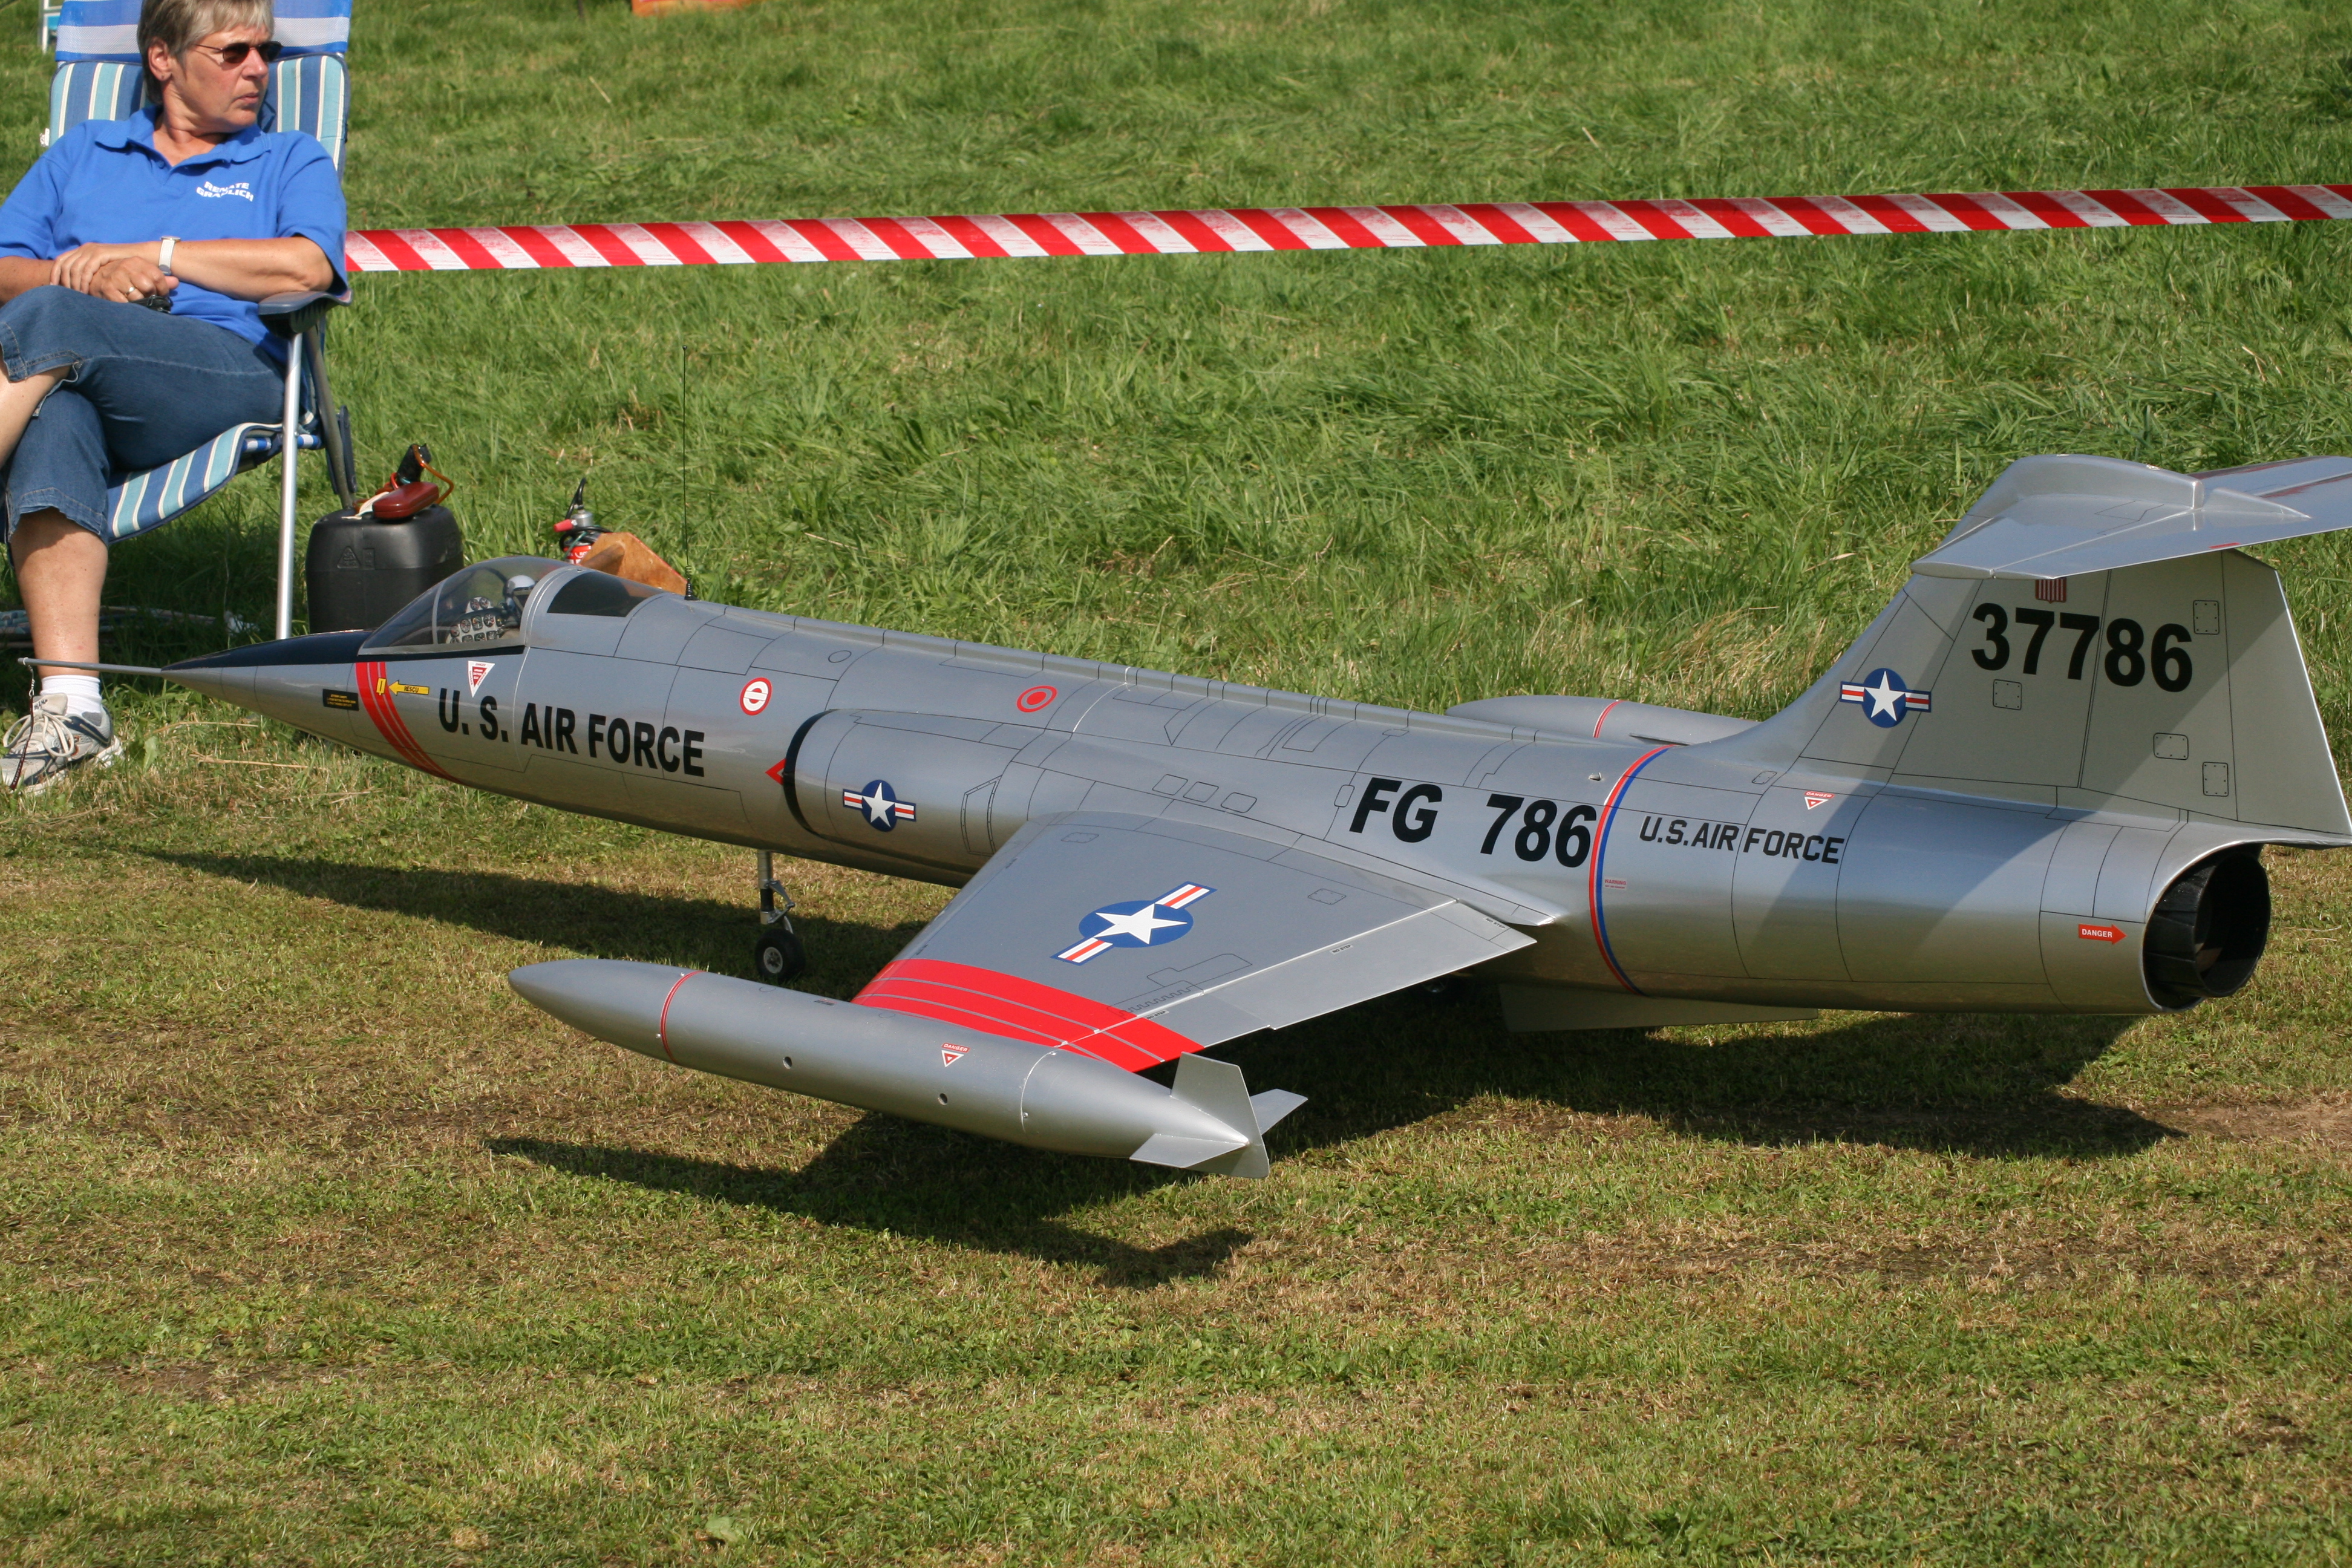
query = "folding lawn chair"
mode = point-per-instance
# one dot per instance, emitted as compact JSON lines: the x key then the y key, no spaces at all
{"x":99,"y":76}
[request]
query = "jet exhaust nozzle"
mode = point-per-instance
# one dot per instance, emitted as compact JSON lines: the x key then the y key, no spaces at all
{"x":2209,"y":930}
{"x":878,"y":1059}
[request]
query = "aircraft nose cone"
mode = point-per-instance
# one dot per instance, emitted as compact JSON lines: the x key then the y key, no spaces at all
{"x":283,"y":679}
{"x":613,"y":1000}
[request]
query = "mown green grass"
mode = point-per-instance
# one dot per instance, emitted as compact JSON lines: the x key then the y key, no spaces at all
{"x":319,"y":1247}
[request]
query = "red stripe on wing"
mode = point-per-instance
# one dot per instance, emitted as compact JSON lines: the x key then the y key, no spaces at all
{"x":1021,"y":1009}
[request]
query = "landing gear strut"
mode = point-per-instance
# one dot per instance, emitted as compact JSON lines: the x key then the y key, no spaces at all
{"x":778,"y":955}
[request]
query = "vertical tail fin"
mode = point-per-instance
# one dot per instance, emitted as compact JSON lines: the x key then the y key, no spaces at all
{"x":2092,"y":634}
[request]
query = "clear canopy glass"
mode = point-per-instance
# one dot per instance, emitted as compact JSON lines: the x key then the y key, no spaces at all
{"x":478,"y":606}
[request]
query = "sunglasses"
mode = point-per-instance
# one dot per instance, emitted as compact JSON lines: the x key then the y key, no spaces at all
{"x":235,"y":54}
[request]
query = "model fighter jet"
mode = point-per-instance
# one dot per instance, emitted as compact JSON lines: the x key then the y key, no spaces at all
{"x":2039,"y":782}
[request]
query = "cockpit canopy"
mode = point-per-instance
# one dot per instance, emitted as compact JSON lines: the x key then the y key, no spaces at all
{"x":481,"y":606}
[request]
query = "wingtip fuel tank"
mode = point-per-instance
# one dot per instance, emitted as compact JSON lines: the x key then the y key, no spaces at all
{"x":878,"y":1059}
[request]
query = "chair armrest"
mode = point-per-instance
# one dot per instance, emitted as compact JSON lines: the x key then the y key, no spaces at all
{"x":288,"y":315}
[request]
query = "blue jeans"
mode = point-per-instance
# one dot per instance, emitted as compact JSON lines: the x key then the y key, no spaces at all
{"x":141,"y":389}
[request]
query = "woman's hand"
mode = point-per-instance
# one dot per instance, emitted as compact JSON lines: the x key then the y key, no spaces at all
{"x":111,"y":272}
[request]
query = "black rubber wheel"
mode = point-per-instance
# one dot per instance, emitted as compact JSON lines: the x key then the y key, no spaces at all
{"x":778,"y":956}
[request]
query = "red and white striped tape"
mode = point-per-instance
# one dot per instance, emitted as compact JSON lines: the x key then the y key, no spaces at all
{"x":738,"y":243}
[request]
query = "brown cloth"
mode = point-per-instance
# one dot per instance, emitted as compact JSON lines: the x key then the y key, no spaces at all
{"x":627,"y":555}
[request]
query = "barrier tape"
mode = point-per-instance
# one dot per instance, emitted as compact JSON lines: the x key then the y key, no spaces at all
{"x":1221,"y":230}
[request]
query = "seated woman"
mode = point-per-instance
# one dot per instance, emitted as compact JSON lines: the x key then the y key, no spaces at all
{"x":184,"y":206}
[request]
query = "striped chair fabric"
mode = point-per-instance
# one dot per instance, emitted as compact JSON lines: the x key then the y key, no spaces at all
{"x":108,"y":29}
{"x":93,"y":89}
{"x":308,"y":92}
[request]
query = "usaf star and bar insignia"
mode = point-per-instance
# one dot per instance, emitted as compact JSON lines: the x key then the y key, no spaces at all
{"x":880,"y":805}
{"x":1148,"y":922}
{"x":1884,"y":697}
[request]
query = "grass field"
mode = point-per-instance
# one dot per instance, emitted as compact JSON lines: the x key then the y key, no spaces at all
{"x":316,"y":1245}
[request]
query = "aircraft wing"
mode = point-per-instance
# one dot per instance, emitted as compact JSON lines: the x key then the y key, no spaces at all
{"x":1137,"y":939}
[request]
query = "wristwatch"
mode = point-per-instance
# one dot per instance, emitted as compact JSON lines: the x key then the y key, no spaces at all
{"x":164,"y":255}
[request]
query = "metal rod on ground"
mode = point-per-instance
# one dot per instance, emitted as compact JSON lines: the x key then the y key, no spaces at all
{"x":289,"y":443}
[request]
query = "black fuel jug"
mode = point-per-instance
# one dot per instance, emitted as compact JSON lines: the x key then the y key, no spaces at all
{"x":360,"y":570}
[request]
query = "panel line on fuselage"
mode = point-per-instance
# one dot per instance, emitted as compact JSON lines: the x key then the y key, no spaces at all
{"x":1596,"y":882}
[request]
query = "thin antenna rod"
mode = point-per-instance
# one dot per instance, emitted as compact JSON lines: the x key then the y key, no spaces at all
{"x":102,"y":669}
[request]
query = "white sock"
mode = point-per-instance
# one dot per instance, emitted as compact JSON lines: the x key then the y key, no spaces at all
{"x":80,"y":692}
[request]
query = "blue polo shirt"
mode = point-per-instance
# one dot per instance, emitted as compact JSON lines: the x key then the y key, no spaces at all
{"x":104,"y":183}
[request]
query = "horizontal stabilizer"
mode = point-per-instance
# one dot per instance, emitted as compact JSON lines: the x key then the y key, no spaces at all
{"x":2151,"y":667}
{"x":1272,"y":1105}
{"x":1219,"y":1089}
{"x":2064,"y":516}
{"x":1184,"y":1153}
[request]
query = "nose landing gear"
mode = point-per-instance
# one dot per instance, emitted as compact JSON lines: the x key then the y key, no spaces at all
{"x":778,"y":956}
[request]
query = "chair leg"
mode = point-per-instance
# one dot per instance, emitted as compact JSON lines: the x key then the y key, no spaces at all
{"x":341,"y":470}
{"x":287,"y":446}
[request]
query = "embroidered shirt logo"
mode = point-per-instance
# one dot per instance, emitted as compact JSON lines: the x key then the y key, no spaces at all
{"x":242,"y":190}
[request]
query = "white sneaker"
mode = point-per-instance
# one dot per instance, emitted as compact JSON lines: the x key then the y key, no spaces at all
{"x":46,"y":744}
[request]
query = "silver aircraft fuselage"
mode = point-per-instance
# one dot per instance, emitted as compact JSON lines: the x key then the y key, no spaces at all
{"x":1643,"y":862}
{"x":2040,"y":780}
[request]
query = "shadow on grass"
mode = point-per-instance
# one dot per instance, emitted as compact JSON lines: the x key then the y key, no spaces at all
{"x":1984,"y":1085}
{"x":1973,"y":1084}
{"x":908,"y":1179}
{"x":587,"y":919}
{"x":1976,"y":1086}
